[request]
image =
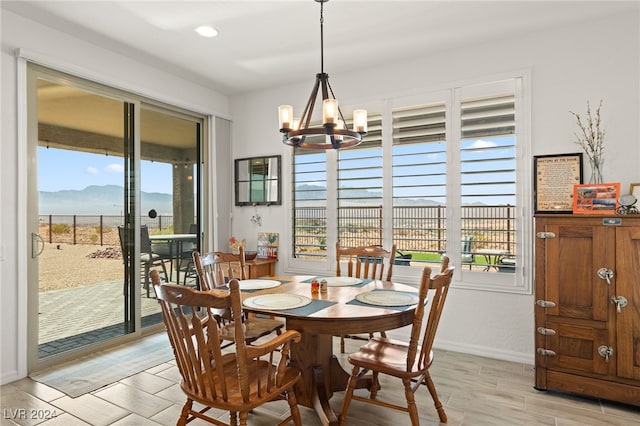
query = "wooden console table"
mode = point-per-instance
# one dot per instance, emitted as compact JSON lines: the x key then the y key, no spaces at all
{"x":261,"y":267}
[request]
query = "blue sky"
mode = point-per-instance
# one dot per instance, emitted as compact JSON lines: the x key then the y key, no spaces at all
{"x":60,"y":169}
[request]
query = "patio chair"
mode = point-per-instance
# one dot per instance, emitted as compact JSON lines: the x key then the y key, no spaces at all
{"x":215,"y":270}
{"x":367,"y":262}
{"x":236,"y":381}
{"x":408,"y":362}
{"x":467,"y":256}
{"x":189,"y":268}
{"x":148,"y":258}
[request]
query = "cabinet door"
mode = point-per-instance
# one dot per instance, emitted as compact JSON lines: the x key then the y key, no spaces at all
{"x":628,"y":286}
{"x":573,"y":258}
{"x":576,"y":344}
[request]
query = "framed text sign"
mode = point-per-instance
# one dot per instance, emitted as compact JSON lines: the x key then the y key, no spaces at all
{"x":553,"y":181}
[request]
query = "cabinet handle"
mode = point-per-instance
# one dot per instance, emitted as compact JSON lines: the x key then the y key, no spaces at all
{"x":545,"y":304}
{"x":605,"y":352}
{"x":620,"y":302}
{"x":546,"y":331}
{"x":544,"y":235}
{"x":605,"y":274}
{"x":545,"y":352}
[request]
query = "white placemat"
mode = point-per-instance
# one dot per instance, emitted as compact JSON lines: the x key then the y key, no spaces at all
{"x":340,"y":281}
{"x":277,"y":301}
{"x":388,"y":298}
{"x":257,"y":284}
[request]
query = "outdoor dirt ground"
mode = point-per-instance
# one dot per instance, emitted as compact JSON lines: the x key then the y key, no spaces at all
{"x":68,"y":266}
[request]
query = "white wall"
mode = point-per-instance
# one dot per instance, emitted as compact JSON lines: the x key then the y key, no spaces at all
{"x":85,"y":60}
{"x":568,"y":66}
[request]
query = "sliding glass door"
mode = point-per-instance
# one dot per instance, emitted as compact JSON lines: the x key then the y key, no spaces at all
{"x":108,"y":173}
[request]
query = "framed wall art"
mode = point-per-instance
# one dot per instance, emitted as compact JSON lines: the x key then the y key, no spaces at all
{"x":257,"y":181}
{"x":591,"y":198}
{"x":553,"y":179}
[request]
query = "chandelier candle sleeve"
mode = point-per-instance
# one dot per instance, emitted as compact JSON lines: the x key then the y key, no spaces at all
{"x":329,"y":111}
{"x":285,"y":112}
{"x":360,"y":120}
{"x":339,"y":126}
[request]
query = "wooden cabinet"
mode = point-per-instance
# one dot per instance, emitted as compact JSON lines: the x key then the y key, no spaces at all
{"x":587,"y":313}
{"x":261,"y":268}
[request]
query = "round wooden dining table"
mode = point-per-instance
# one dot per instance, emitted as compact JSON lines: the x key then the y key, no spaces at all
{"x":331,"y":313}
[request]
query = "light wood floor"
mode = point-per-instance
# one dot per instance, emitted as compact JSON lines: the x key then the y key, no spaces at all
{"x":474,"y":390}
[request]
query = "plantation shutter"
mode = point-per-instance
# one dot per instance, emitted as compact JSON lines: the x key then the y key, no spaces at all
{"x":360,"y":188}
{"x":488,"y":116}
{"x":419,"y":124}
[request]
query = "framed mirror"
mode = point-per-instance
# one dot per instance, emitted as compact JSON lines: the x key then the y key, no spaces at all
{"x":258,"y":181}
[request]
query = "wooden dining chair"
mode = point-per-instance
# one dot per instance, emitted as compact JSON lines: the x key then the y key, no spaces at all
{"x":367,"y":262}
{"x":235,"y":381}
{"x":444,"y":263}
{"x":216,"y":269}
{"x":408,"y":362}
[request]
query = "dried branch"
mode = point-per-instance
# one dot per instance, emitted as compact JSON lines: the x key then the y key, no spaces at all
{"x":591,"y":136}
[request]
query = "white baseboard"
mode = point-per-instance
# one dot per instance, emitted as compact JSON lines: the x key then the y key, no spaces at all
{"x":487,"y":352}
{"x":483,"y":351}
{"x":9,"y":377}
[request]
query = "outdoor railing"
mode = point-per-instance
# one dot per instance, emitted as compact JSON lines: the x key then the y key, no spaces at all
{"x":416,"y":229}
{"x":97,"y":229}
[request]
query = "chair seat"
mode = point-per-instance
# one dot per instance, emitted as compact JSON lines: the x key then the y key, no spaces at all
{"x":387,"y":356}
{"x":146,"y":257}
{"x":254,"y":328}
{"x":258,"y":378}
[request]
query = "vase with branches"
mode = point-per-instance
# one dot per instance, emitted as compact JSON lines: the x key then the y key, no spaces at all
{"x":590,"y":136}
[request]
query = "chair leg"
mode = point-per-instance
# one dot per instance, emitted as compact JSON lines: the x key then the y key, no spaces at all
{"x":293,"y":408}
{"x":164,"y":270}
{"x":146,"y":277}
{"x":341,"y":344}
{"x":348,"y":395}
{"x":186,"y":409}
{"x":411,"y":402}
{"x":375,"y":385}
{"x":436,"y":401}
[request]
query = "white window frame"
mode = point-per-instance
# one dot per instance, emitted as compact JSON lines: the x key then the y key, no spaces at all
{"x":519,"y":282}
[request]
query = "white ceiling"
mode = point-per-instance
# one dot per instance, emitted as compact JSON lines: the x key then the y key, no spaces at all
{"x":268,"y":43}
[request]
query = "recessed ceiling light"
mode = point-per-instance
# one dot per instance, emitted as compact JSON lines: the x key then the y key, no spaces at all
{"x":206,"y":31}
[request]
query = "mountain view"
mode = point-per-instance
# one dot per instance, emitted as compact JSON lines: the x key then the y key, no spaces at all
{"x":108,"y":200}
{"x":99,"y":200}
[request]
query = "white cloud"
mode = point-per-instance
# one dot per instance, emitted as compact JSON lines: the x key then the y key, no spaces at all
{"x":114,"y":168}
{"x":482,"y":144}
{"x":91,"y":170}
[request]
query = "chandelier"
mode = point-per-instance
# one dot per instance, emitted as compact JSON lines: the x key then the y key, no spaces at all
{"x":334,"y":131}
